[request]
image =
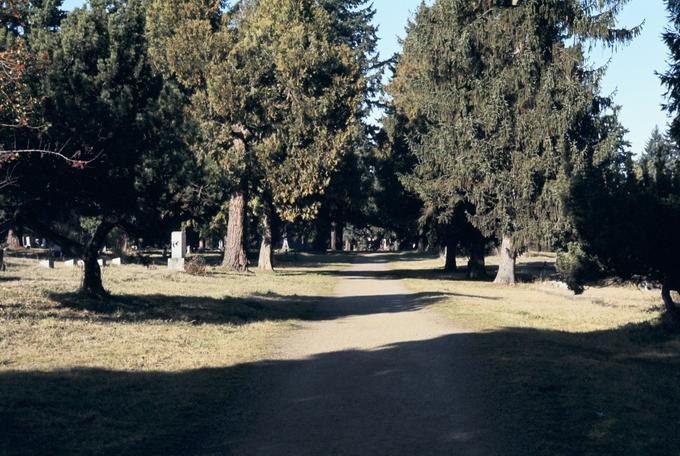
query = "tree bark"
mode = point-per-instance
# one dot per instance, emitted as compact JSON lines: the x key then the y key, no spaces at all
{"x":235,"y":257}
{"x":422,"y":247}
{"x":92,"y":274}
{"x":506,"y":265}
{"x":266,"y":259}
{"x":451,"y":249}
{"x":13,"y":241}
{"x":125,"y":248}
{"x":476,"y":264}
{"x":320,"y":243}
{"x":671,"y":306}
{"x":348,"y":246}
{"x":334,"y":237}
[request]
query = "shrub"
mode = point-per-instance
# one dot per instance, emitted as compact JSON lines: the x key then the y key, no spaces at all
{"x":195,"y":266}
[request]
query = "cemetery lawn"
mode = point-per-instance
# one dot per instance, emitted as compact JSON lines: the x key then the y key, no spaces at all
{"x":148,"y":372}
{"x":591,"y":374}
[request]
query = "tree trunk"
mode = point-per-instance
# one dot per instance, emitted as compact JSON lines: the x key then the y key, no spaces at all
{"x":506,"y":265}
{"x":421,"y":241}
{"x":13,"y":241}
{"x":320,"y":243}
{"x":266,"y":259}
{"x":235,"y":257}
{"x":92,"y":274}
{"x":476,"y":264}
{"x":451,"y":249}
{"x":125,"y":248}
{"x":334,"y":237}
{"x":671,"y":306}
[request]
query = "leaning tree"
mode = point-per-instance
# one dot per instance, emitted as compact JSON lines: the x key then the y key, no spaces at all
{"x":500,"y":91}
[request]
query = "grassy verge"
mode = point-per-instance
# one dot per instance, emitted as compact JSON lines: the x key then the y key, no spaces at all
{"x":149,"y":372}
{"x":594,"y":374}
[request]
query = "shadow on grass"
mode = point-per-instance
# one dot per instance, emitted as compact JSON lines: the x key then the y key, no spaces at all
{"x":508,"y":392}
{"x":525,"y":272}
{"x":256,"y":307}
{"x":6,"y":278}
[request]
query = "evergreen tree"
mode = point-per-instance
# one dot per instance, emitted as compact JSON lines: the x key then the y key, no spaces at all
{"x":274,"y":96}
{"x":346,"y":201}
{"x":103,"y":98}
{"x":628,"y":226}
{"x":659,"y":165}
{"x":500,"y":95}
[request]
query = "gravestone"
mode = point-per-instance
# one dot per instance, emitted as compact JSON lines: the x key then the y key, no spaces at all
{"x":179,"y":247}
{"x":70,"y":264}
{"x":47,"y":264}
{"x":116,"y":262}
{"x":101,"y":262}
{"x":27,"y":242}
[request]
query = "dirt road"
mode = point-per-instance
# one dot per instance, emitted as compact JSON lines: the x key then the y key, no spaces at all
{"x":376,"y":373}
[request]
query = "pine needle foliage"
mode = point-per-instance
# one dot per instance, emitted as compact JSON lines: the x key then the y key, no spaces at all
{"x":503,"y":107}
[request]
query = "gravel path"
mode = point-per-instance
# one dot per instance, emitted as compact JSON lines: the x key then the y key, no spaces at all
{"x":376,"y":373}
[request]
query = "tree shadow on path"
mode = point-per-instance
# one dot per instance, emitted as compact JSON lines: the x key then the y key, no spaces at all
{"x":507,"y":392}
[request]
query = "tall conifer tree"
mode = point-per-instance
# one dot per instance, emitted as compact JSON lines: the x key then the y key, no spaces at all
{"x":275,"y":98}
{"x":500,"y":94}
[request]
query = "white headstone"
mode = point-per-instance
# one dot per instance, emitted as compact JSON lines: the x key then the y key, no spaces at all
{"x":81,"y":264}
{"x":70,"y":264}
{"x":116,"y":262}
{"x":220,"y":245}
{"x":176,"y":264}
{"x":102,"y":262}
{"x":179,"y":244}
{"x":47,"y":264}
{"x":27,"y":242}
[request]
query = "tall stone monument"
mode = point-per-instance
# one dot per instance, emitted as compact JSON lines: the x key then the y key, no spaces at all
{"x":179,"y":248}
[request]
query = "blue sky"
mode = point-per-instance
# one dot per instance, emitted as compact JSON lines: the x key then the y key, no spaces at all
{"x":631,"y":68}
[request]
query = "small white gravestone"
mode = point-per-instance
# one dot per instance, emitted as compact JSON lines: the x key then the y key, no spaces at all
{"x":220,"y":245}
{"x":47,"y":264}
{"x":116,"y":262}
{"x":70,"y":264}
{"x":179,"y":248}
{"x":27,"y":242}
{"x":81,"y":264}
{"x":101,"y":262}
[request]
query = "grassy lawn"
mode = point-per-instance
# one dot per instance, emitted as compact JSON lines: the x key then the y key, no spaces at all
{"x":595,"y":374}
{"x":149,"y":372}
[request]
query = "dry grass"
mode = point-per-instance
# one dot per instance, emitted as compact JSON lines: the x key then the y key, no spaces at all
{"x":596,"y":374}
{"x":144,"y":373}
